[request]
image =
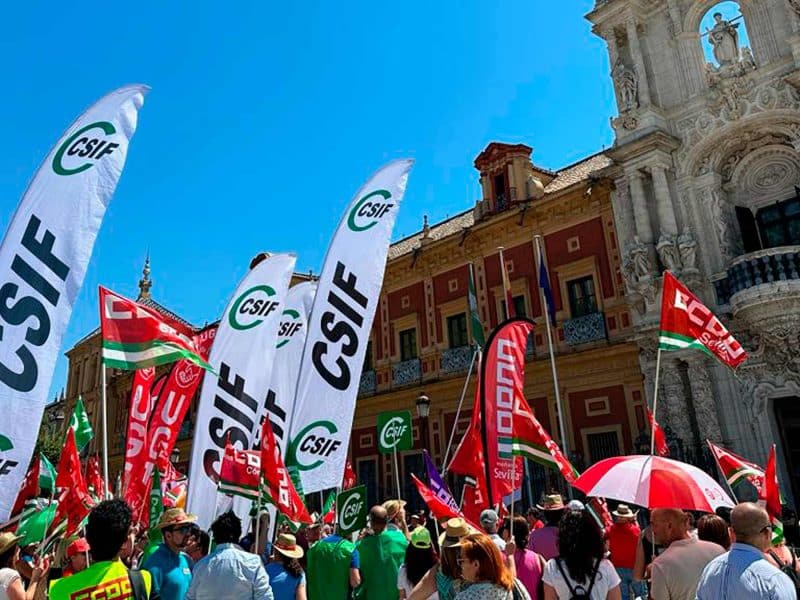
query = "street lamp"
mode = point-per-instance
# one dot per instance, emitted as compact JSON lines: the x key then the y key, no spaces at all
{"x":423,"y":411}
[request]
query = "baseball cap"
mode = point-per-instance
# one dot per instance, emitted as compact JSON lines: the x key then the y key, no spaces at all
{"x":421,"y":538}
{"x":79,"y":546}
{"x":489,"y":517}
{"x":576,"y":505}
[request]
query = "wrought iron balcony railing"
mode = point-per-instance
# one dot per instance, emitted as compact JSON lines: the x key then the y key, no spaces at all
{"x":456,"y":360}
{"x":367,"y":383}
{"x":588,"y":328}
{"x":406,"y":372}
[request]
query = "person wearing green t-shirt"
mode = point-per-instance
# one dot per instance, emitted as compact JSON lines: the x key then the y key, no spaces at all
{"x":381,"y":555}
{"x":106,"y":531}
{"x":332,"y":568}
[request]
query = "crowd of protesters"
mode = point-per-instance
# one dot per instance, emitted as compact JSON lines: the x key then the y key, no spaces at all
{"x":557,"y":551}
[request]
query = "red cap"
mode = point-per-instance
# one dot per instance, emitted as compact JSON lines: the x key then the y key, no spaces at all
{"x":79,"y":546}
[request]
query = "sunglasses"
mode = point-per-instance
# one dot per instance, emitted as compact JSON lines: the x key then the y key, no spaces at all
{"x":765,"y":528}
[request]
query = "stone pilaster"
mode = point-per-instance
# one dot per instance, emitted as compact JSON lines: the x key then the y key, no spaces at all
{"x":641,"y":214}
{"x":705,"y":408}
{"x":673,"y":399}
{"x":638,"y":60}
{"x":664,"y":206}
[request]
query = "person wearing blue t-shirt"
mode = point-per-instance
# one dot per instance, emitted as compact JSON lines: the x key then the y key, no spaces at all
{"x":169,"y":566}
{"x":285,"y":573}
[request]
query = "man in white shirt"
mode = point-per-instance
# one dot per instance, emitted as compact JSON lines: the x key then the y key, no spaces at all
{"x":676,"y":571}
{"x":489,"y":521}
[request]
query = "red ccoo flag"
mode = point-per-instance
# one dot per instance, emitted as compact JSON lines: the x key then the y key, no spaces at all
{"x":30,"y":487}
{"x":278,"y":484}
{"x":658,"y":433}
{"x":74,"y":502}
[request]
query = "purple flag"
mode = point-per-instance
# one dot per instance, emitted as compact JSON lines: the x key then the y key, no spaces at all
{"x":437,"y":485}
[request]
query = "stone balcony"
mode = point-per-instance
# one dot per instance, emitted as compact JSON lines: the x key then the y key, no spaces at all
{"x":585,"y":329}
{"x":407,"y":372}
{"x":456,"y":360}
{"x":763,"y":289}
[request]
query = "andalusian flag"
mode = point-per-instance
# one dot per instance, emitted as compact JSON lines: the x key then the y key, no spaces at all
{"x":47,"y":474}
{"x":156,"y":508}
{"x":137,"y":337}
{"x":735,"y":469}
{"x":773,"y":497}
{"x":474,"y":315}
{"x":687,"y":323}
{"x":80,"y":425}
{"x":510,"y":310}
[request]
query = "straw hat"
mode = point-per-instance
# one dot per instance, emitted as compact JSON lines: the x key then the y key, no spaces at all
{"x":175,"y":516}
{"x":624,"y":512}
{"x":552,"y":502}
{"x":286,"y":544}
{"x":456,"y":529}
{"x":7,"y":540}
{"x":393,"y":507}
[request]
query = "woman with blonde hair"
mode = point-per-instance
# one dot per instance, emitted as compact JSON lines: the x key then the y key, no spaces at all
{"x":484,"y":568}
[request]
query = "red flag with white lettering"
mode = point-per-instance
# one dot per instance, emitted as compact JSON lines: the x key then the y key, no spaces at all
{"x":688,"y":323}
{"x":30,"y":487}
{"x":349,"y":479}
{"x":277,"y":482}
{"x":658,"y":433}
{"x":439,"y":509}
{"x":94,"y":479}
{"x":74,"y":501}
{"x":140,"y":408}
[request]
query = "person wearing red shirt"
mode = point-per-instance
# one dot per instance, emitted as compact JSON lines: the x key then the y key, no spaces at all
{"x":623,"y":536}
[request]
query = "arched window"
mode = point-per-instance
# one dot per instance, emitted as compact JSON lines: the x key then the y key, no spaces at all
{"x":726,"y":44}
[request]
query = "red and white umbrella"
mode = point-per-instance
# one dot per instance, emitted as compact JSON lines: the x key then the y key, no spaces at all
{"x":653,"y":482}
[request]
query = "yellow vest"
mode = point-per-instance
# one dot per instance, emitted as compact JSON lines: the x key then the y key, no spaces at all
{"x":104,"y":580}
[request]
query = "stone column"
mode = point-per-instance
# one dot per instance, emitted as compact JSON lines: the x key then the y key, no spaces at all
{"x":641,"y":214}
{"x":638,"y":60}
{"x":705,"y":406}
{"x":672,"y":397}
{"x":664,"y":206}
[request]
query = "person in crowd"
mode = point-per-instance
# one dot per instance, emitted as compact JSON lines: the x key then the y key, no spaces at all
{"x":286,"y":576}
{"x":396,"y":515}
{"x":580,"y":565}
{"x":199,"y":544}
{"x":445,"y":577}
{"x":713,"y":528}
{"x":229,"y":571}
{"x":743,"y":572}
{"x":534,"y":521}
{"x":11,"y":587}
{"x":169,"y":565}
{"x":646,"y":550}
{"x":413,"y":522}
{"x":420,"y":558}
{"x":381,"y":555}
{"x":77,"y":557}
{"x":482,"y":566}
{"x":544,"y":541}
{"x":784,"y":557}
{"x":529,"y":565}
{"x":314,"y":533}
{"x":489,"y":523}
{"x":576,"y":505}
{"x":676,"y":571}
{"x":107,"y":529}
{"x":623,"y":537}
{"x":332,"y":568}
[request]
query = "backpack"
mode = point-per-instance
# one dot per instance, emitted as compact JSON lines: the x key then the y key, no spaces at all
{"x":789,"y":569}
{"x":578,"y":592}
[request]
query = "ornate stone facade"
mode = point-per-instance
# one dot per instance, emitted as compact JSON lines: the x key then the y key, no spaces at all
{"x":702,"y":176}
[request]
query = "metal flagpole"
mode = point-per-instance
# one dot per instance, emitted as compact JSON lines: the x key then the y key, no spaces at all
{"x":396,"y":472}
{"x":458,"y":412}
{"x":559,"y":408}
{"x":655,"y":404}
{"x":105,"y":425}
{"x":513,"y":478}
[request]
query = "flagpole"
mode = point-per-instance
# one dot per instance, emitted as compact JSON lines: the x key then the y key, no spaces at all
{"x":105,"y":424}
{"x":734,"y":497}
{"x":458,"y":412}
{"x":655,"y":404}
{"x":559,"y":408}
{"x":396,"y":472}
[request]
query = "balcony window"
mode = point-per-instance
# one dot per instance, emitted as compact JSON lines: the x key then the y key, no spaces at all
{"x":408,"y":344}
{"x":457,"y":331}
{"x":368,"y":358}
{"x":780,"y":224}
{"x":582,"y":299}
{"x":519,"y":307}
{"x":500,"y":195}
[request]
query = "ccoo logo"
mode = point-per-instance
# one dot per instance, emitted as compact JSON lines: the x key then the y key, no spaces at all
{"x":392,"y":432}
{"x":290,"y":325}
{"x":84,"y":148}
{"x":250,"y":308}
{"x":350,"y":510}
{"x":315,"y":442}
{"x":369,"y":210}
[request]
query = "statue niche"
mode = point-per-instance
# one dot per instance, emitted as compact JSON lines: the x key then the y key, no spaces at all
{"x":732,"y":58}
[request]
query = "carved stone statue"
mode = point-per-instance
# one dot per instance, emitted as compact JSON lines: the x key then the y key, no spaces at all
{"x":687,"y":248}
{"x":627,"y":87}
{"x":640,"y":258}
{"x":724,"y":37}
{"x":748,"y":60}
{"x":668,"y":253}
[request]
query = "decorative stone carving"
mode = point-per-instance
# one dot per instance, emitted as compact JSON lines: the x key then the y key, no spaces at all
{"x":748,"y":60}
{"x":668,"y":253}
{"x":703,"y":400}
{"x":687,"y":247}
{"x":795,"y":6}
{"x":674,"y":402}
{"x":627,"y":86}
{"x":640,"y":258}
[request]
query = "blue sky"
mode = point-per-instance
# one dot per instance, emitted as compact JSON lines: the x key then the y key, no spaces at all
{"x":263,"y":121}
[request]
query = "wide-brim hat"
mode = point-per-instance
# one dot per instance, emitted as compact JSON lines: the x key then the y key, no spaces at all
{"x":624,"y":512}
{"x":7,"y":540}
{"x":175,"y":516}
{"x":456,"y":529}
{"x":393,"y":507}
{"x":552,"y":502}
{"x":286,"y":544}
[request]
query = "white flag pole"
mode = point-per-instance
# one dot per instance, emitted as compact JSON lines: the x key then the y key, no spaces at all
{"x":559,"y":408}
{"x":396,"y":472}
{"x":458,"y":412}
{"x":655,"y":404}
{"x":105,"y":425}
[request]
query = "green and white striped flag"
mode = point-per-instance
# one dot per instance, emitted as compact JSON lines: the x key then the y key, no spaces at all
{"x":79,"y":423}
{"x":47,"y":474}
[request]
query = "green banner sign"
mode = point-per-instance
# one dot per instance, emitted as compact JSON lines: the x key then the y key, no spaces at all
{"x":351,"y":510}
{"x":394,"y":431}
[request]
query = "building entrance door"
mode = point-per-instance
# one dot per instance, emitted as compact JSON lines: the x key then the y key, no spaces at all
{"x":787,"y":414}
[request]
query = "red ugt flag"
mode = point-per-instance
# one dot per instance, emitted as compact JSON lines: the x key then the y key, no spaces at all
{"x":277,"y":481}
{"x":658,"y":433}
{"x":74,"y":501}
{"x":688,"y":323}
